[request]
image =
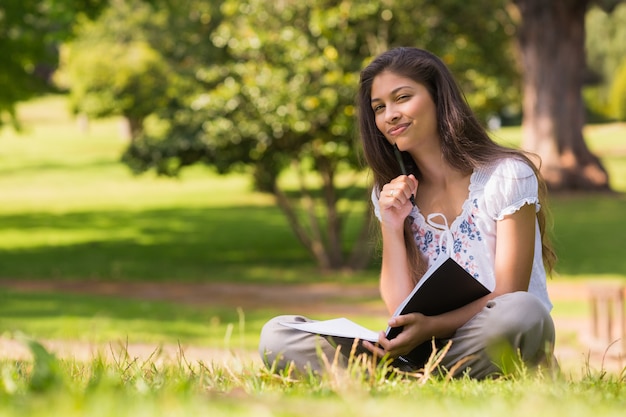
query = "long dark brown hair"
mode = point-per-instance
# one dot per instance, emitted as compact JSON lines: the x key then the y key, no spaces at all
{"x":465,"y":143}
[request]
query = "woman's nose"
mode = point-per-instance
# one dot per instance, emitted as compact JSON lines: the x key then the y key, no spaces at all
{"x":392,"y":115}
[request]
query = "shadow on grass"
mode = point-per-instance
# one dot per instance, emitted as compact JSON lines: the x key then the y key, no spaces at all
{"x":103,"y":319}
{"x":195,"y":244}
{"x":246,"y":244}
{"x":589,"y":234}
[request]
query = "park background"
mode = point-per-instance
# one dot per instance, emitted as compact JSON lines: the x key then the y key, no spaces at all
{"x":142,"y":271}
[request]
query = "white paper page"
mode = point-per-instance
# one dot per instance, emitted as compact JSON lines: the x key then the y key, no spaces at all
{"x":340,"y":327}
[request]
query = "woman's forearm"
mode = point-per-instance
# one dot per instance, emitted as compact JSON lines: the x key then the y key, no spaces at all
{"x":395,"y":280}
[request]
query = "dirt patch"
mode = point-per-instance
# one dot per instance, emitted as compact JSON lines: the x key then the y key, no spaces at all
{"x":306,"y":298}
{"x":329,"y":298}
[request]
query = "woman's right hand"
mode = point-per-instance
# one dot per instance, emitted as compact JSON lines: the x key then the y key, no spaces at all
{"x":395,"y":200}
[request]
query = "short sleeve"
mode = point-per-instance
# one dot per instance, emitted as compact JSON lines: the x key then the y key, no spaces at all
{"x":512,"y":185}
{"x":375,"y":203}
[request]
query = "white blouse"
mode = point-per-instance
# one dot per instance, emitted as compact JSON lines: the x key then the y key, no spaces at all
{"x":495,"y":190}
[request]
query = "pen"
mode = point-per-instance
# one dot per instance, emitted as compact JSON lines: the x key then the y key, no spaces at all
{"x":402,"y":167}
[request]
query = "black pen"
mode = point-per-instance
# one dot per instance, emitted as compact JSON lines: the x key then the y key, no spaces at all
{"x":402,"y":167}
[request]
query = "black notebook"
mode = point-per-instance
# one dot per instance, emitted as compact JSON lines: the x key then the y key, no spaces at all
{"x":446,"y":286}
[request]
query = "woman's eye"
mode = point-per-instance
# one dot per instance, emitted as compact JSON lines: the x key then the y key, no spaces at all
{"x":377,"y":109}
{"x":403,"y":97}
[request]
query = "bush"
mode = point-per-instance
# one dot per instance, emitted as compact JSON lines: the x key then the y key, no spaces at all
{"x":617,"y":97}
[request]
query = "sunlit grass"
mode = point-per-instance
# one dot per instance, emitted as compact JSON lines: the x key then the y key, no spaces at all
{"x":125,"y":386}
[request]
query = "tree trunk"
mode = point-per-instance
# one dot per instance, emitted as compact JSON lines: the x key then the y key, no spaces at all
{"x":320,"y":226}
{"x":333,"y":218}
{"x":552,"y":43}
{"x":131,"y":127}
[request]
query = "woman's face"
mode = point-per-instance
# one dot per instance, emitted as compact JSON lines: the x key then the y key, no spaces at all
{"x":404,"y":110}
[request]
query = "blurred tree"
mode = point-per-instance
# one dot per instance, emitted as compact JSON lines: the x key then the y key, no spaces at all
{"x":111,"y":69}
{"x":617,"y":98}
{"x":139,"y":59}
{"x":285,"y":97}
{"x":30,"y":31}
{"x":552,"y":42}
{"x":606,"y":53}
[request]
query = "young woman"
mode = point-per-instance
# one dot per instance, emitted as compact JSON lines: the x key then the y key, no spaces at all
{"x":476,"y":201}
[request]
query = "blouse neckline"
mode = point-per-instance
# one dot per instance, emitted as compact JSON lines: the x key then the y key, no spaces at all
{"x":447,"y":225}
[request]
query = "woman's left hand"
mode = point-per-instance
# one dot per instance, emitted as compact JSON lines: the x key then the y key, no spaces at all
{"x":415,"y":332}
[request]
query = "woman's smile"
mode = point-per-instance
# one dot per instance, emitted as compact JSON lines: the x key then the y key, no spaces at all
{"x":398,"y":129}
{"x":403,"y":108}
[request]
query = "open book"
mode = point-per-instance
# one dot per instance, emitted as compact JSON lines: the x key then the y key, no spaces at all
{"x":446,"y":286}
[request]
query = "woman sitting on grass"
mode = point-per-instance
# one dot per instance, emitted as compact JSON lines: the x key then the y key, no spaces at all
{"x":476,"y":201}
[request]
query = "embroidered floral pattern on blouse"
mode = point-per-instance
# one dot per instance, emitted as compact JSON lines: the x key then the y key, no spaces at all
{"x":462,"y":235}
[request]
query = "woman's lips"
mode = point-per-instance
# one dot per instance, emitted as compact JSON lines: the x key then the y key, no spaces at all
{"x":398,"y":129}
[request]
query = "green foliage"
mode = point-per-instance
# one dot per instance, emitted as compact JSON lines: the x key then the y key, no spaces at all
{"x":137,"y":59}
{"x":46,"y":373}
{"x":113,"y":78}
{"x":30,"y":31}
{"x":287,"y":90}
{"x":606,"y":47}
{"x":112,"y":69}
{"x":617,"y":97}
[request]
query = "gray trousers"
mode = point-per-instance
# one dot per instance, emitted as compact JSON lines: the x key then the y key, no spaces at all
{"x":510,"y":327}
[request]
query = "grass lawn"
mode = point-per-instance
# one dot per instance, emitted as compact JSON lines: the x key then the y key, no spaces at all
{"x":69,"y":210}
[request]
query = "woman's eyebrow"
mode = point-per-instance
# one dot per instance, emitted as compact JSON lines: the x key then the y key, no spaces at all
{"x":394,"y":91}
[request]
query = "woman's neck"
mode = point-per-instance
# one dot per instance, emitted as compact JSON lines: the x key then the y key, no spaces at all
{"x":434,"y":169}
{"x":442,"y":188}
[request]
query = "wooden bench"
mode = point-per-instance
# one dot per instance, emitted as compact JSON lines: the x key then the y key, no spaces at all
{"x":608,"y":320}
